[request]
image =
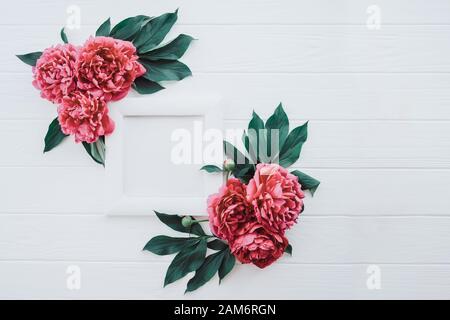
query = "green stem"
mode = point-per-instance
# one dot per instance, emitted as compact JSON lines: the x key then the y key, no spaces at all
{"x":204,"y":220}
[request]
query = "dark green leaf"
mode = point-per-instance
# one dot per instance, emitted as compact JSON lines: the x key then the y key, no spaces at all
{"x":307,"y":182}
{"x":165,"y":70}
{"x":256,"y":139}
{"x":244,"y":172}
{"x":155,"y":31}
{"x":278,"y":121}
{"x":197,"y":229}
{"x":207,"y":270}
{"x":187,"y":260}
{"x":144,"y":86}
{"x":30,"y":58}
{"x":217,"y":244}
{"x":96,"y":150}
{"x":290,"y":152}
{"x":173,"y":221}
{"x":244,"y":169}
{"x":227,"y":264}
{"x":245,"y":141}
{"x":104,"y":29}
{"x":129,"y":27}
{"x":64,"y":36}
{"x":163,"y":245}
{"x":288,"y":249}
{"x":233,"y":153}
{"x":211,"y":168}
{"x":54,"y":135}
{"x":174,"y":50}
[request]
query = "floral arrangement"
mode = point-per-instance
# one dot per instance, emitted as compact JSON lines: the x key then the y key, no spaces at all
{"x":82,"y":80}
{"x":252,"y":211}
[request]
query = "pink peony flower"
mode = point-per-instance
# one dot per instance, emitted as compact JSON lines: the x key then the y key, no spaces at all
{"x":276,"y":197}
{"x":108,"y":67}
{"x":229,"y":213}
{"x":54,"y":73}
{"x":258,"y":246}
{"x":85,"y":117}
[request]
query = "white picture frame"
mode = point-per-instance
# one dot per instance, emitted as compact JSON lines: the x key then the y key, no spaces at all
{"x":207,"y":107}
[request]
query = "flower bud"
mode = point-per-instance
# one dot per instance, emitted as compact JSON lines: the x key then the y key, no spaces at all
{"x":186,"y":221}
{"x":229,"y":165}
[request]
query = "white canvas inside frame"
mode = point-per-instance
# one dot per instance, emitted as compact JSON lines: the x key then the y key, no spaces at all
{"x":141,"y":176}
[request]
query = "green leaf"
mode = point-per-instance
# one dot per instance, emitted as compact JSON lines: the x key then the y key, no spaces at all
{"x":211,"y":168}
{"x":174,"y":50}
{"x":165,"y":70}
{"x":128,"y":28}
{"x":245,"y":141}
{"x":244,"y":172}
{"x":254,"y":135}
{"x":187,"y":260}
{"x":288,"y":249}
{"x":244,"y":169}
{"x":217,"y":244}
{"x":64,"y":36}
{"x":164,"y":245}
{"x":307,"y":182}
{"x":104,"y":29}
{"x":231,"y":152}
{"x":227,"y":265}
{"x":54,"y":135}
{"x":290,"y":152}
{"x":154,"y":32}
{"x":30,"y":58}
{"x":96,"y":150}
{"x":173,"y":221}
{"x":207,"y":270}
{"x":197,"y":229}
{"x":144,"y":86}
{"x":278,"y":121}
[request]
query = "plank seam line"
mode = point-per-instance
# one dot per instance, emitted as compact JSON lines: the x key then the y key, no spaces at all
{"x":292,"y":72}
{"x":279,"y":263}
{"x":244,"y":119}
{"x":257,"y":24}
{"x":302,"y":73}
{"x":150,"y":215}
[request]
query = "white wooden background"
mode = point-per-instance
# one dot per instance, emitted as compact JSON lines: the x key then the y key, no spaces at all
{"x":378,"y":102}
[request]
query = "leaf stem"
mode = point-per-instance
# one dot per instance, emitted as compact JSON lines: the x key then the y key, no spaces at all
{"x":198,"y":221}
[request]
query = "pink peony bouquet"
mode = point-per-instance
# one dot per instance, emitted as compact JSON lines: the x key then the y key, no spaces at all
{"x":83,"y":80}
{"x":252,"y":212}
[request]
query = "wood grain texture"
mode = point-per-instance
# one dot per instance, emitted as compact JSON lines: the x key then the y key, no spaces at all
{"x":331,"y":144}
{"x":314,"y":239}
{"x":360,"y":192}
{"x":234,"y":11}
{"x":379,"y":142}
{"x":100,"y":280}
{"x":52,"y":189}
{"x":305,"y":96}
{"x":370,"y":144}
{"x":255,"y":49}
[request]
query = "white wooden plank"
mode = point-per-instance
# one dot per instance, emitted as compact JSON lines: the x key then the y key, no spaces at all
{"x":48,"y":280}
{"x":342,"y":192}
{"x":305,"y":96}
{"x":24,"y":142}
{"x":277,"y":48}
{"x":362,"y":144}
{"x":314,"y":239}
{"x":342,"y":144}
{"x":380,"y":192}
{"x":234,"y":11}
{"x":52,"y":189}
